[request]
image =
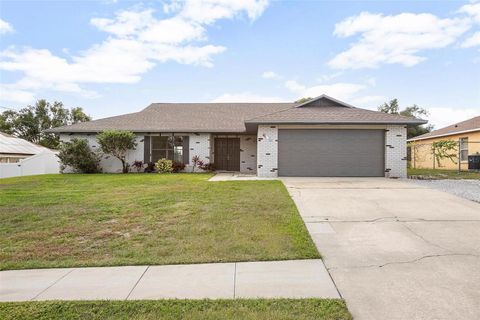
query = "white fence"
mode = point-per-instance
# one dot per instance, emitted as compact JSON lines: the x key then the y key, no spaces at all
{"x":42,"y":163}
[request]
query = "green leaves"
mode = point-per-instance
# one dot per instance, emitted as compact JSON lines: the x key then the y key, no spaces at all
{"x":78,"y":155}
{"x":29,"y":123}
{"x":117,"y":143}
{"x":414,"y":111}
{"x":445,"y":149}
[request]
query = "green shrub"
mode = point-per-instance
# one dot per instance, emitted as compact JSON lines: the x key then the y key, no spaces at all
{"x":164,"y":166}
{"x":78,"y":155}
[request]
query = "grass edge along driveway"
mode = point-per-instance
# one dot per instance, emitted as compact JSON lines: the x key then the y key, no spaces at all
{"x":443,"y":174}
{"x":75,"y":220}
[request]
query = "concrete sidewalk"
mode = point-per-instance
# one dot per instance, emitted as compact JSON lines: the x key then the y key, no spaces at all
{"x":271,"y":279}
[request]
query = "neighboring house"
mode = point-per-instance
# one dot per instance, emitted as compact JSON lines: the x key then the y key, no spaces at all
{"x":465,"y":133}
{"x":321,"y":137}
{"x":13,"y":149}
{"x":19,"y":157}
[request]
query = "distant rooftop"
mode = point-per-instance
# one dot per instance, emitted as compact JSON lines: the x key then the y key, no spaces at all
{"x":13,"y":145}
{"x":469,"y":125}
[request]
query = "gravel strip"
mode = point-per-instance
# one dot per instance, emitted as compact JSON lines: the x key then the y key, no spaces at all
{"x":468,"y":189}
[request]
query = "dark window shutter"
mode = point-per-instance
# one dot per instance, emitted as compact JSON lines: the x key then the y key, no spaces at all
{"x":146,"y":149}
{"x":186,"y":150}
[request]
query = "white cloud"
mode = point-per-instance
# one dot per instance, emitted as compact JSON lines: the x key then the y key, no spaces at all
{"x":5,"y":27}
{"x":9,"y":93}
{"x":369,"y":102}
{"x":472,"y":9}
{"x":394,"y":39}
{"x":472,"y":41}
{"x":328,"y":77}
{"x":125,"y":23}
{"x":340,"y":90}
{"x":442,"y":117}
{"x":137,"y":42}
{"x":208,"y":11}
{"x":245,"y":97}
{"x":294,"y":86}
{"x":270,"y":75}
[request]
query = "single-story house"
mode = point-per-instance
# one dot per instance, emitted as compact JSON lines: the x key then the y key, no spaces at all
{"x":13,"y":149}
{"x":465,"y":133}
{"x":19,"y":157}
{"x":320,"y":137}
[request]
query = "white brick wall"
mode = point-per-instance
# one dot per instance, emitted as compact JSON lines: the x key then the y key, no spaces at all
{"x":109,"y":163}
{"x":267,"y":151}
{"x":200,"y":145}
{"x":248,"y":154}
{"x":396,"y":151}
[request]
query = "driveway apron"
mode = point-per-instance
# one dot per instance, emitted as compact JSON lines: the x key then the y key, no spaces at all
{"x":395,"y":250}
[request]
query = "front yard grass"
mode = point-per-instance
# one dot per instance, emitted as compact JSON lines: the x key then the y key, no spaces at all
{"x":443,"y":174}
{"x":138,"y":219}
{"x":178,"y":309}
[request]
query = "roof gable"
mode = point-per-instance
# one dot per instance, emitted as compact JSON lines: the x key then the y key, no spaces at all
{"x":327,"y":110}
{"x":324,"y":100}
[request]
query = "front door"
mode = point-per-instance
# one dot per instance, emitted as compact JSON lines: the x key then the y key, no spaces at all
{"x":227,"y":154}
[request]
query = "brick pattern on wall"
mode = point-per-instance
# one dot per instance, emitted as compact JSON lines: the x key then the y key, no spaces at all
{"x":109,"y":164}
{"x":200,"y":144}
{"x":248,"y":154}
{"x":267,"y":151}
{"x":396,"y":151}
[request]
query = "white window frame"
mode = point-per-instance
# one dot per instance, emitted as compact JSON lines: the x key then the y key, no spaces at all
{"x":463,"y":146}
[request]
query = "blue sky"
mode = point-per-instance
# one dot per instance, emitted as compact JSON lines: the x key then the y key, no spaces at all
{"x":114,"y":57}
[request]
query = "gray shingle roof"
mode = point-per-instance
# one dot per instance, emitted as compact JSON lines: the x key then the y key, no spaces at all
{"x":330,"y":111}
{"x":232,"y":117}
{"x":182,"y":117}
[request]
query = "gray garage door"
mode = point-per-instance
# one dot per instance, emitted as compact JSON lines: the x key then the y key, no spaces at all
{"x":331,"y":153}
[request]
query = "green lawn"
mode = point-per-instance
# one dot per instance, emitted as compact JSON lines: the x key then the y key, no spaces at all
{"x":443,"y":174}
{"x":178,"y":309}
{"x":137,"y":219}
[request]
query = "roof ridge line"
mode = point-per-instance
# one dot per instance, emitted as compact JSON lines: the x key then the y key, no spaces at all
{"x":268,"y":114}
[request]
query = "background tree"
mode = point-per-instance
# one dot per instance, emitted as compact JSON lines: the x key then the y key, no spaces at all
{"x":445,"y":149}
{"x":414,"y":111}
{"x":304,"y":99}
{"x":117,"y":143}
{"x":29,"y":123}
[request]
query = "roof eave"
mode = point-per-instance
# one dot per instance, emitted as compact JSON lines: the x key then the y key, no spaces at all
{"x":339,"y":122}
{"x":443,"y":135}
{"x":190,"y":130}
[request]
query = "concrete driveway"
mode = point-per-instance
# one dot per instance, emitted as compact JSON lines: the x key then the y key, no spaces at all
{"x":395,"y":250}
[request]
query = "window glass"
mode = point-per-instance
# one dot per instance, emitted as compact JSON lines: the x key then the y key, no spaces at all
{"x":463,"y":149}
{"x":178,"y":154}
{"x":168,"y":147}
{"x":159,"y":142}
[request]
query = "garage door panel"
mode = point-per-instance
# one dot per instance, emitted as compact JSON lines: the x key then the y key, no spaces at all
{"x":331,"y":153}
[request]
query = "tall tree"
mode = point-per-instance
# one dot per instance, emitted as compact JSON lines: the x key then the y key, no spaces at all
{"x":117,"y":143}
{"x":414,"y":111}
{"x":30,"y":123}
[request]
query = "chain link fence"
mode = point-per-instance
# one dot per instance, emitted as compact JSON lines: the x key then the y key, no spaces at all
{"x":444,"y":154}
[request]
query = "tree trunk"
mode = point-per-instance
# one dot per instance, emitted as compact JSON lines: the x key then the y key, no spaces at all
{"x":124,"y":166}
